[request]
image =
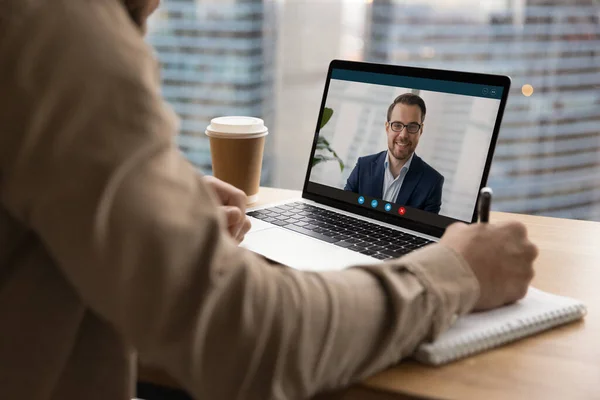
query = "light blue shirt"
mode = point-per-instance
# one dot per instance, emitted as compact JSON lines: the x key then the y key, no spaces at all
{"x":391,"y":186}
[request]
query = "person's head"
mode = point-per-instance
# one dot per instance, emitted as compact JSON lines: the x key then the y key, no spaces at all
{"x":404,"y":125}
{"x":140,"y":10}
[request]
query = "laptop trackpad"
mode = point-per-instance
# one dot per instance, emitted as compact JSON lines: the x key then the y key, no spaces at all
{"x":302,"y":252}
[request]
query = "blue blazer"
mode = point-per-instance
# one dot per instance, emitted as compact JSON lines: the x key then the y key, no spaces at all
{"x":422,"y":186}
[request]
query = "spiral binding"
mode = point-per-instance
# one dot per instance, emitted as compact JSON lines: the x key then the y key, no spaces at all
{"x":442,"y":353}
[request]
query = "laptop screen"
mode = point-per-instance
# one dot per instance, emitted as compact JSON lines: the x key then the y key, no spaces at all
{"x":405,"y":147}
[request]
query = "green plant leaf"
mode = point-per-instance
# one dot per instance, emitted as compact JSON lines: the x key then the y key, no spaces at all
{"x":324,"y":145}
{"x":325,"y":158}
{"x":319,"y":158}
{"x":327,"y":113}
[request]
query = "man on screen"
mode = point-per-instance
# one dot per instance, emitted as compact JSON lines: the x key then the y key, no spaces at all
{"x":397,"y":174}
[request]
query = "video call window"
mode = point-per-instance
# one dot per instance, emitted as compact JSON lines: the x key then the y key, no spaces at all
{"x":414,"y":148}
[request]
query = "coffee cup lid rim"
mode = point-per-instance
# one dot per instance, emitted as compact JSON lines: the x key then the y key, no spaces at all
{"x":229,"y":135}
{"x":236,"y":125}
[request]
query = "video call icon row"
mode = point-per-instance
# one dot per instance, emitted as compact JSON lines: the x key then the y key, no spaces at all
{"x":387,"y":207}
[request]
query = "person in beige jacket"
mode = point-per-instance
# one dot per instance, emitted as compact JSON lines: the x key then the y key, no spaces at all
{"x":111,"y":243}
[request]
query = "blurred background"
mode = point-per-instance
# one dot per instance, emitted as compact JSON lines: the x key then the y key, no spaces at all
{"x":269,"y":58}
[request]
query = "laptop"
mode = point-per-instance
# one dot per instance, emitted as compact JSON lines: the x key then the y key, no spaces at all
{"x":399,"y":153}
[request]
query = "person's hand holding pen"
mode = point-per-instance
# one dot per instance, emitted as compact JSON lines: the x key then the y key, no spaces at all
{"x":500,"y":255}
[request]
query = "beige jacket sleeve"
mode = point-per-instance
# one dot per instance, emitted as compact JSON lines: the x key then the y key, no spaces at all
{"x":88,"y":161}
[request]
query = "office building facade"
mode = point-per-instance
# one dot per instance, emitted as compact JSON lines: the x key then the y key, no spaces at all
{"x":547,"y":161}
{"x":217,"y":58}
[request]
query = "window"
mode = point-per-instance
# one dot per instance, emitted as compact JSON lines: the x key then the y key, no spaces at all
{"x":269,"y":58}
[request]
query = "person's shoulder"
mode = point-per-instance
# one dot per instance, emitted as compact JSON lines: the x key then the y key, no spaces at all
{"x":14,"y":13}
{"x":371,"y":157}
{"x":428,"y":169}
{"x":62,"y":15}
{"x":95,"y":35}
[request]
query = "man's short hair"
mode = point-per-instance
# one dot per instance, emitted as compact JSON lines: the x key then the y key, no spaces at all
{"x":135,"y":9}
{"x":410,"y":99}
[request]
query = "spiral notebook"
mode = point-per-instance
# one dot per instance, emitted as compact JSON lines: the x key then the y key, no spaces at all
{"x":478,"y":332}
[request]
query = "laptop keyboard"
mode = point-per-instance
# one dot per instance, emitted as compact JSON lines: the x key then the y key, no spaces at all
{"x":339,"y":229}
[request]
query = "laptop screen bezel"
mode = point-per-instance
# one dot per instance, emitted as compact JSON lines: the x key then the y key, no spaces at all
{"x":434,"y":74}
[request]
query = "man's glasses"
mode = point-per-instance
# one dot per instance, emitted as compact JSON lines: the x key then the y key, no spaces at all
{"x":413,"y":127}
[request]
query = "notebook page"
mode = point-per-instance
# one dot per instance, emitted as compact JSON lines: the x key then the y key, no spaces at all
{"x":479,"y":331}
{"x":535,"y":304}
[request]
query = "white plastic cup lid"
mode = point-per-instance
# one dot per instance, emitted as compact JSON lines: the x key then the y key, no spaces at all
{"x":236,"y":127}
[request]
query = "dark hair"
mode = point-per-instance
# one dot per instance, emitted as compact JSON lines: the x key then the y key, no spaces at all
{"x":135,"y":9}
{"x":410,"y":99}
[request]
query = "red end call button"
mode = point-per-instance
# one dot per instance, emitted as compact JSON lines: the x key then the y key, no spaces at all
{"x":402,"y":211}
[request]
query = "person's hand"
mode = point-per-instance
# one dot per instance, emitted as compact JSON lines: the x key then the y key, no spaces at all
{"x":233,"y":202}
{"x":501,"y":257}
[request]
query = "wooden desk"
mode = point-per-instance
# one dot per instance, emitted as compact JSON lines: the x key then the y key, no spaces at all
{"x":560,"y":364}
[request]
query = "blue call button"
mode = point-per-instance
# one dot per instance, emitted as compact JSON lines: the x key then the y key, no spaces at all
{"x":361,"y":200}
{"x":374,"y":203}
{"x":388,"y":207}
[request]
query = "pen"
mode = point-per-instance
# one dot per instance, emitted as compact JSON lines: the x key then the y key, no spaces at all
{"x":485,"y":203}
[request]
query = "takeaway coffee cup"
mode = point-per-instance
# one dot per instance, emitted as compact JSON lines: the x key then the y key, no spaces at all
{"x":236,"y":147}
